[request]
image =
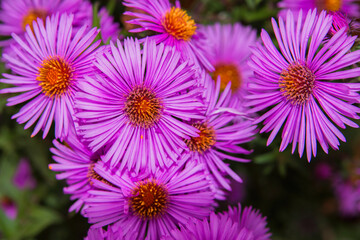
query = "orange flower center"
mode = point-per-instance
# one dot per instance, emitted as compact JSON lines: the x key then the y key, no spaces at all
{"x":33,"y":15}
{"x":178,"y":24}
{"x":142,"y":107}
{"x":329,"y":5}
{"x":55,"y":76}
{"x":204,"y":141}
{"x":297,"y":83}
{"x":91,"y":175}
{"x":149,"y":199}
{"x":228,"y":73}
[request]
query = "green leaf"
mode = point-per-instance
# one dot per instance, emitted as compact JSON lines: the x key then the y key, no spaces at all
{"x":110,"y":6}
{"x":265,"y":158}
{"x":37,"y":220}
{"x":253,"y":3}
{"x":96,"y":20}
{"x":7,"y":169}
{"x":242,"y":13}
{"x":37,"y":150}
{"x":7,"y":227}
{"x":282,"y":168}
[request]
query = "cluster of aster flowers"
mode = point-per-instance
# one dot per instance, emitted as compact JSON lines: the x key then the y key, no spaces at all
{"x":143,"y":126}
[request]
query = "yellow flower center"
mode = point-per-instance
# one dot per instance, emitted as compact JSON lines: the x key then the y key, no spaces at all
{"x":228,"y":73}
{"x":179,"y":24}
{"x":329,"y":5}
{"x":55,"y":76}
{"x":149,"y":199}
{"x":91,"y":175}
{"x":33,"y":15}
{"x":204,"y":141}
{"x":297,"y":83}
{"x":142,"y":107}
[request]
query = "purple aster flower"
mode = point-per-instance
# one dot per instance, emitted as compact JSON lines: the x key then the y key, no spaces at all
{"x":135,"y":102}
{"x":48,"y":65}
{"x":349,"y":7}
{"x":341,"y":20}
{"x":323,"y":171}
{"x":222,"y":129}
{"x":217,"y":226}
{"x":98,"y":234}
{"x":173,"y":25}
{"x":298,"y":86}
{"x":110,"y":30}
{"x":23,"y":177}
{"x":15,"y":15}
{"x":251,"y":220}
{"x":150,"y":204}
{"x":75,"y":162}
{"x":232,"y":225}
{"x":9,"y":207}
{"x":348,"y":197}
{"x":113,"y":232}
{"x":229,"y":52}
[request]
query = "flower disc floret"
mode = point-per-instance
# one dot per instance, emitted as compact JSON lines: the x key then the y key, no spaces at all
{"x":204,"y":141}
{"x":142,"y":107}
{"x":179,"y":24}
{"x":297,"y":83}
{"x":93,"y":175}
{"x":55,"y":76}
{"x":149,"y":199}
{"x":33,"y":15}
{"x":329,"y":5}
{"x":228,"y":73}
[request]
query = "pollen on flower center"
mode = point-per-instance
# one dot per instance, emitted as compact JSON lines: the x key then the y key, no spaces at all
{"x":33,"y":15}
{"x":149,"y":199}
{"x":297,"y":83}
{"x":329,"y":5}
{"x":91,"y":175}
{"x":179,"y":24}
{"x":55,"y":76}
{"x":204,"y":141}
{"x":142,"y":107}
{"x":228,"y":73}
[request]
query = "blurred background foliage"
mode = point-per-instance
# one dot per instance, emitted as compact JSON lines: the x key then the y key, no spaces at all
{"x":298,"y":204}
